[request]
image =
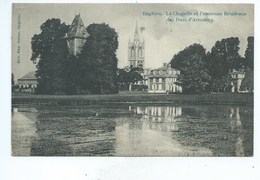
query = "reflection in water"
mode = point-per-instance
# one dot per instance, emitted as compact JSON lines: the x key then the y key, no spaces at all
{"x":133,"y":131}
{"x":236,"y":126}
{"x":153,"y":135}
{"x":23,"y":131}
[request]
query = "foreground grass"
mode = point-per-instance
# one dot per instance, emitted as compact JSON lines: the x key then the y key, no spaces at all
{"x":133,"y":97}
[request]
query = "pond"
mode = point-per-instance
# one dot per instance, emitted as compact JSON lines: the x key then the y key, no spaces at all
{"x":133,"y":130}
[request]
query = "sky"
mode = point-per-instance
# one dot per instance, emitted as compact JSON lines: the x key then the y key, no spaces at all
{"x":163,"y":37}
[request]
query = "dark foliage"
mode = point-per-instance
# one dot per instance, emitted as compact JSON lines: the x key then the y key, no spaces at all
{"x":128,"y":77}
{"x":194,"y":77}
{"x":98,"y":61}
{"x":222,"y":59}
{"x":50,"y":48}
{"x":94,"y":71}
{"x":248,"y":81}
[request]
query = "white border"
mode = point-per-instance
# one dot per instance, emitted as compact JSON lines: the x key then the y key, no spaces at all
{"x":43,"y":168}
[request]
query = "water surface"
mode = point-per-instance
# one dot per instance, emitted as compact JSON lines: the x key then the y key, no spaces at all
{"x":136,"y":130}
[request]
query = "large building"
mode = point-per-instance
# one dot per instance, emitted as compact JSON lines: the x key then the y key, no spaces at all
{"x":27,"y":83}
{"x":136,"y":50}
{"x":76,"y":36}
{"x":163,"y":79}
{"x":237,"y":78}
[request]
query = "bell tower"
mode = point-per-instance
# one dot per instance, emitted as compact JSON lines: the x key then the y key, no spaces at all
{"x":136,"y":50}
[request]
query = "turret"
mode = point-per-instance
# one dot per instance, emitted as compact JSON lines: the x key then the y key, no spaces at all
{"x":76,"y":36}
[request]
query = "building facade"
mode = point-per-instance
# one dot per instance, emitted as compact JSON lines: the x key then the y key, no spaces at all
{"x":136,"y":48}
{"x":162,"y":80}
{"x":237,"y":78}
{"x":28,"y":83}
{"x":76,"y":36}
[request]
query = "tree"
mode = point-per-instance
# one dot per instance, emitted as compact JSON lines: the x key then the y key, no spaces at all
{"x":127,"y":78}
{"x":98,"y":61}
{"x":222,"y":59}
{"x":50,"y":49}
{"x":249,"y":54}
{"x":248,"y":81}
{"x":194,"y":77}
{"x":12,"y":79}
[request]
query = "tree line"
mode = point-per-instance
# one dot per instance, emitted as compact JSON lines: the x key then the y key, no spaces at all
{"x":94,"y":70}
{"x":203,"y":72}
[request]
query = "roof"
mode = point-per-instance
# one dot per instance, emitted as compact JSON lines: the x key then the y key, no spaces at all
{"x":164,"y":72}
{"x":240,"y":71}
{"x":77,"y":28}
{"x":165,"y":68}
{"x":162,"y":75}
{"x":30,"y":75}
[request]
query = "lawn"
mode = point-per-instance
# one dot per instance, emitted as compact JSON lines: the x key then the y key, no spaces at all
{"x":133,"y":97}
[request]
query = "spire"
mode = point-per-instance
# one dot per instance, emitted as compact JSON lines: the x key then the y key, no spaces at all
{"x":77,"y":28}
{"x":136,"y":36}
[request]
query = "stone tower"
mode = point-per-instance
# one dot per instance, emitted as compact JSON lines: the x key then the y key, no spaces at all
{"x":76,"y":36}
{"x":136,"y":50}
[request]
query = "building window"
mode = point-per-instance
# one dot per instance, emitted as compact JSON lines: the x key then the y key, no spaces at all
{"x":154,"y":80}
{"x":157,"y":79}
{"x":154,"y":87}
{"x":140,"y":52}
{"x":132,"y":51}
{"x":160,"y":87}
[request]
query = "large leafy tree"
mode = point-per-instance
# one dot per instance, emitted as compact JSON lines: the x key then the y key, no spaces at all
{"x":128,"y":77}
{"x":50,"y":49}
{"x":249,"y":54}
{"x":98,"y":61}
{"x":194,"y":77}
{"x":248,"y":81}
{"x":223,"y":58}
{"x":12,"y":79}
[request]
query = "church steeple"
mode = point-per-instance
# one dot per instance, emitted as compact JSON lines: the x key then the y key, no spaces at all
{"x":136,"y":35}
{"x":136,"y":50}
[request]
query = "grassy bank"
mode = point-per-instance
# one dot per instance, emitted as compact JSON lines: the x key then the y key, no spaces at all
{"x":132,"y":97}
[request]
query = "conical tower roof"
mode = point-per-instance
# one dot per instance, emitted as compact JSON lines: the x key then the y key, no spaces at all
{"x":77,"y":28}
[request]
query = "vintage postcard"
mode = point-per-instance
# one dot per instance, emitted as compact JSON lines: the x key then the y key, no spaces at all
{"x":132,"y":80}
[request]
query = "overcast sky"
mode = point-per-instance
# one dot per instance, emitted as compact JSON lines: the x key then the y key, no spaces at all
{"x":163,"y":38}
